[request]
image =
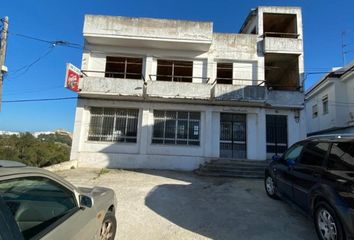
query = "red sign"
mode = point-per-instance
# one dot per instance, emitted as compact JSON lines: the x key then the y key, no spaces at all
{"x":72,"y":77}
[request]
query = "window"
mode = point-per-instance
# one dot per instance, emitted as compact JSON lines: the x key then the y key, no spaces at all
{"x":36,"y":203}
{"x":113,"y":125}
{"x":175,"y":71}
{"x":341,"y":157}
{"x":172,"y":127}
{"x":224,"y":73}
{"x":123,"y":67}
{"x":293,"y":153}
{"x":314,"y":111}
{"x":325,"y":104}
{"x":314,"y":153}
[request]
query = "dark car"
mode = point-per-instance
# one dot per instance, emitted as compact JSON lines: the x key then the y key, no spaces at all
{"x":317,"y":174}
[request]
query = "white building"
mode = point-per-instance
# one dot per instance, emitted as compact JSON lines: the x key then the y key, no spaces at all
{"x":330,"y":103}
{"x":171,"y":94}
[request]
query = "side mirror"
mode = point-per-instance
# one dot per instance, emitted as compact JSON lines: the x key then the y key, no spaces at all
{"x":291,"y":162}
{"x":85,"y":201}
{"x":276,"y":158}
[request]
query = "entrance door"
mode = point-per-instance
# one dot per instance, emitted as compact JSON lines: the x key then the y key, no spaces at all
{"x":233,"y":136}
{"x":277,"y":134}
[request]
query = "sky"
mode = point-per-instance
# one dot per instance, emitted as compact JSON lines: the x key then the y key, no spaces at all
{"x":36,"y":70}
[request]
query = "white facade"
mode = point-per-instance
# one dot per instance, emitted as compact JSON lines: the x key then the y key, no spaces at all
{"x":335,"y":92}
{"x":252,"y":92}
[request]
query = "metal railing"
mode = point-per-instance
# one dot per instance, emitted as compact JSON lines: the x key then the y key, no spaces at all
{"x":175,"y":78}
{"x":281,"y":35}
{"x":116,"y":74}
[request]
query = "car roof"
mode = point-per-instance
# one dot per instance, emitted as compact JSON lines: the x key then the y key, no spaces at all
{"x":8,"y":163}
{"x":332,"y":138}
{"x":16,"y":169}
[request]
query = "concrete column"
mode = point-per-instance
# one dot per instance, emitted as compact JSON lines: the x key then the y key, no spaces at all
{"x":215,"y":136}
{"x":208,"y":134}
{"x":262,"y":135}
{"x":148,"y":67}
{"x":251,"y":131}
{"x":79,"y":127}
{"x":144,"y":138}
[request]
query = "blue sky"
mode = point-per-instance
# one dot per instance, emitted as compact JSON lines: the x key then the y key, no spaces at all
{"x":323,"y":23}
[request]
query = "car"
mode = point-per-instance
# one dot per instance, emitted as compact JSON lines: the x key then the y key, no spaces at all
{"x":317,"y":174}
{"x":38,"y":204}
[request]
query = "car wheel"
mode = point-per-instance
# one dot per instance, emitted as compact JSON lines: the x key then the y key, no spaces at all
{"x":270,"y":187}
{"x":109,"y":226}
{"x":328,"y":226}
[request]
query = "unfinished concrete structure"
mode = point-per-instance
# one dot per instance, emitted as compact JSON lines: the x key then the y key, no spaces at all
{"x":172,"y":94}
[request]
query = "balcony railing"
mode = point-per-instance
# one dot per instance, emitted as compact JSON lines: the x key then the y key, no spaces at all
{"x":243,"y":90}
{"x":281,"y":35}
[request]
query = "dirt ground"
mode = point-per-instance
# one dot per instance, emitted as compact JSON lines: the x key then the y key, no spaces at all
{"x":179,"y":205}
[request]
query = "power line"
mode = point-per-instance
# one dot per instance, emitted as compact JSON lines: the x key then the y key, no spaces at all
{"x":38,"y":100}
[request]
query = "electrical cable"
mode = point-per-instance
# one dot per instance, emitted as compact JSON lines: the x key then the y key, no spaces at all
{"x":38,"y":100}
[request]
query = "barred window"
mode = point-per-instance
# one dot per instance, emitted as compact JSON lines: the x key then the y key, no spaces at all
{"x":113,"y":125}
{"x":171,"y":127}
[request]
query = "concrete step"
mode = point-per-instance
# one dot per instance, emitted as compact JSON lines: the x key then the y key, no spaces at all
{"x":233,"y":168}
{"x":226,"y":174}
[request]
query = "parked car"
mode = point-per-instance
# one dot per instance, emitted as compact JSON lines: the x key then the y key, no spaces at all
{"x":38,"y":204}
{"x":317,"y":174}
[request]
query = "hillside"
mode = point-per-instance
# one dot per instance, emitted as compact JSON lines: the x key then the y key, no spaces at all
{"x":45,"y":150}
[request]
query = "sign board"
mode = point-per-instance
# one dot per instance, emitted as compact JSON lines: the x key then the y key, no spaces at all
{"x":72,"y":77}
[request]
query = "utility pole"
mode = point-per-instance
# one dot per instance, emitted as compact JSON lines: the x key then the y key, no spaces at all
{"x":343,"y":48}
{"x":3,"y":68}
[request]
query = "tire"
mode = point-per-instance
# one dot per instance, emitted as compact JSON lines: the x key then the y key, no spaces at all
{"x":108,"y":227}
{"x":270,"y":187}
{"x":327,"y":223}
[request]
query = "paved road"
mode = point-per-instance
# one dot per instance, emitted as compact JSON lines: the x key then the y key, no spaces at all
{"x":178,"y":205}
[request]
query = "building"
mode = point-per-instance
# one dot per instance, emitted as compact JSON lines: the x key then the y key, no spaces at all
{"x":171,"y":94}
{"x":330,"y":103}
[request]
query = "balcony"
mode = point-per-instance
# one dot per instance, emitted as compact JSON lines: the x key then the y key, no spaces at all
{"x":282,"y":43}
{"x":101,"y":86}
{"x":241,"y":90}
{"x":246,"y":93}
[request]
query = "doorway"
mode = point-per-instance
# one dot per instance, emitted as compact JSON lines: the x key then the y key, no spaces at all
{"x":233,"y":136}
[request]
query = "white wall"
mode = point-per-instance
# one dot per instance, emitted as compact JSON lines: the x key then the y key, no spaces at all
{"x":143,"y":154}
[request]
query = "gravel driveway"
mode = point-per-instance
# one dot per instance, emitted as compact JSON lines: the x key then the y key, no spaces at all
{"x":179,"y":205}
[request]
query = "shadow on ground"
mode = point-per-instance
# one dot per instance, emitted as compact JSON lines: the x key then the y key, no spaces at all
{"x":222,"y":208}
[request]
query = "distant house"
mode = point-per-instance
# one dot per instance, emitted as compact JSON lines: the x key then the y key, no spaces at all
{"x":172,"y":94}
{"x":330,"y":103}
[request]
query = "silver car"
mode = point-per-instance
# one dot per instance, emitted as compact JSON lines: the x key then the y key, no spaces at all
{"x":37,"y":204}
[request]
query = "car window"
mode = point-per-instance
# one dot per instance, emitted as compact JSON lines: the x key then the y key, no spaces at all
{"x":293,"y":153}
{"x":36,"y":203}
{"x":341,"y":157}
{"x":314,"y":153}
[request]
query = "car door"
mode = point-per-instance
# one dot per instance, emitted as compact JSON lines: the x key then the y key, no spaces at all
{"x":44,"y":209}
{"x":282,"y":170}
{"x":307,"y":173}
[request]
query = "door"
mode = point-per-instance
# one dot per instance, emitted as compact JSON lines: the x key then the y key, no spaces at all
{"x":283,"y":170}
{"x":233,"y":136}
{"x":277,"y":134}
{"x":308,"y":172}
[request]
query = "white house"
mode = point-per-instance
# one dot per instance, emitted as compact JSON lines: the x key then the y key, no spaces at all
{"x":171,"y":94}
{"x":330,"y":103}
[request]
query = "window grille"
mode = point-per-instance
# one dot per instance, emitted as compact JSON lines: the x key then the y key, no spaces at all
{"x":181,"y":128}
{"x":113,"y":125}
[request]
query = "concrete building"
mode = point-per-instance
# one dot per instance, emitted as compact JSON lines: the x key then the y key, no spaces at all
{"x":171,"y":94}
{"x":330,"y":103}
